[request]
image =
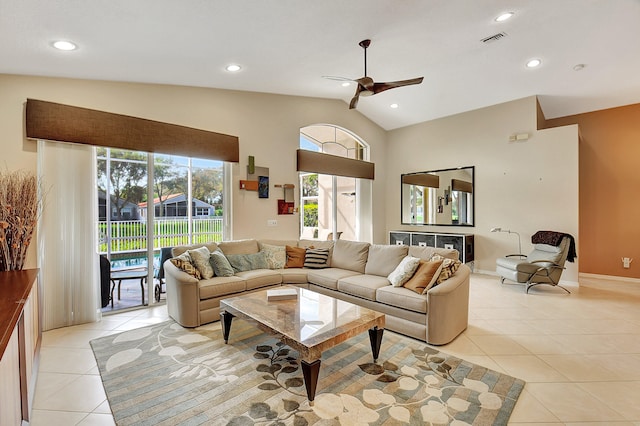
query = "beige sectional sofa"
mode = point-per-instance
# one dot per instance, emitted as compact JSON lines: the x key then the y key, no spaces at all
{"x":357,"y":272}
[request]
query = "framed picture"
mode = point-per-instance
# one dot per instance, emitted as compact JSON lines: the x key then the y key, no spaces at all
{"x":263,"y":186}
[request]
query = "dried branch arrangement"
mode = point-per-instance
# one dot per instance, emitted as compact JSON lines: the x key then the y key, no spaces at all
{"x":19,"y":209}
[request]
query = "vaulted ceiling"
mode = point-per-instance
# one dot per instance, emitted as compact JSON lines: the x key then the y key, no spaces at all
{"x":588,"y":49}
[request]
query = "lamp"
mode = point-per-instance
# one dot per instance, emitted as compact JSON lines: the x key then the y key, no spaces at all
{"x":510,"y":232}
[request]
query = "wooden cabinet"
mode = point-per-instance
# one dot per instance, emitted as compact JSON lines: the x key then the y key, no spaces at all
{"x":461,"y":242}
{"x":20,"y":335}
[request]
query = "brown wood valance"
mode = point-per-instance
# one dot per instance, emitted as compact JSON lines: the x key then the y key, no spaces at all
{"x":65,"y":123}
{"x":318,"y":162}
{"x":461,"y":185}
{"x":422,"y":179}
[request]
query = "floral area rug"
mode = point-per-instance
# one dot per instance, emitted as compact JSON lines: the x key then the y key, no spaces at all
{"x":169,"y":375}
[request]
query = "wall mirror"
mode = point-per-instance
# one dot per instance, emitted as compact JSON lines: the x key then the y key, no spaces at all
{"x":438,"y":197}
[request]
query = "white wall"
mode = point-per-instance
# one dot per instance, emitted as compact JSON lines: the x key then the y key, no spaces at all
{"x":267,"y":126}
{"x":523,"y":186}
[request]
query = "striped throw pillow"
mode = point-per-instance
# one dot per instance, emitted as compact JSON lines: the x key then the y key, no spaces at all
{"x":316,"y":258}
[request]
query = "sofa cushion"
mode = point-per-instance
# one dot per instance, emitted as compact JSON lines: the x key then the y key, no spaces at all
{"x":293,"y":276}
{"x":351,"y":255}
{"x":247,"y":262}
{"x":200,"y":259}
{"x":364,"y":286}
{"x":425,"y":276}
{"x":260,"y":278}
{"x":328,"y":277}
{"x":276,"y":256}
{"x":316,"y":258}
{"x":295,"y":257}
{"x":220,"y":286}
{"x":426,"y":253}
{"x":403,"y":271}
{"x":239,"y":247}
{"x":220,"y":264}
{"x":183,"y":262}
{"x":178,"y":250}
{"x":402,"y":298}
{"x":383,"y":259}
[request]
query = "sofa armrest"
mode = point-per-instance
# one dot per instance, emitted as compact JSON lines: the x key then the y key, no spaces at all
{"x":182,"y":296}
{"x":448,"y":308}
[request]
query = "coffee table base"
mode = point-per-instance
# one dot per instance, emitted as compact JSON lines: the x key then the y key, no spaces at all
{"x":310,"y":369}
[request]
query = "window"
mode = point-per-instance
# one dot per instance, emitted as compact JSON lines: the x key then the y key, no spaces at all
{"x":331,"y":205}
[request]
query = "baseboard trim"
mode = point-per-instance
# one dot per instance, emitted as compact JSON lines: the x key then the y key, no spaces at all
{"x":495,"y":274}
{"x":598,"y":277}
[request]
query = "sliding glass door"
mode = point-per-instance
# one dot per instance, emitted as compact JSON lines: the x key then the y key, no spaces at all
{"x":148,"y":202}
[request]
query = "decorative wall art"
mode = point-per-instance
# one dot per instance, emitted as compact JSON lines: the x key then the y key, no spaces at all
{"x":263,"y":186}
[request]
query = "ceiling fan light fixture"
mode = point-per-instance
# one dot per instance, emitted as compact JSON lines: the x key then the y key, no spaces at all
{"x":394,"y":106}
{"x":346,"y":84}
{"x":504,"y":16}
{"x":233,"y":68}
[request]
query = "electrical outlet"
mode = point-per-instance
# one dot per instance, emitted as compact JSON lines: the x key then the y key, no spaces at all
{"x":272,"y":222}
{"x":626,"y":262}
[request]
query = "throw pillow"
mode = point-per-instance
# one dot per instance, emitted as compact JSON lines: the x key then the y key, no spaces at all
{"x":220,"y":264}
{"x":183,"y":262}
{"x":276,"y":256}
{"x":316,"y":258}
{"x":425,"y":276}
{"x":295,"y":257}
{"x":449,"y":267}
{"x":200,"y":259}
{"x":403,"y":271}
{"x":247,"y":262}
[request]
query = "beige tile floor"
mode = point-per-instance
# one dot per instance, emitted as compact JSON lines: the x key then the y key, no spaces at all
{"x":578,"y":353}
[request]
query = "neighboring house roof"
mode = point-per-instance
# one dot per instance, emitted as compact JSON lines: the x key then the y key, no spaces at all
{"x":114,"y":199}
{"x":175,"y":198}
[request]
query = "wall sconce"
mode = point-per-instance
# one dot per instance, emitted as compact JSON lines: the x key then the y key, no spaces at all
{"x":510,"y":232}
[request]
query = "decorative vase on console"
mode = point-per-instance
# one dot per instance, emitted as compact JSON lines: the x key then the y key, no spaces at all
{"x":19,"y":210}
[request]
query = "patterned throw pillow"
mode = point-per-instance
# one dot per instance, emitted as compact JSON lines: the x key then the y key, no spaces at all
{"x":220,"y":264}
{"x":316,"y":258}
{"x":247,"y":262}
{"x":403,"y":271}
{"x":200,"y":259}
{"x":449,"y":267}
{"x":295,"y":257}
{"x":183,"y":262}
{"x":425,"y":276}
{"x":276,"y":256}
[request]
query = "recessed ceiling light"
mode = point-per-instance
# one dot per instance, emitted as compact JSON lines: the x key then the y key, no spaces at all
{"x":533,"y":63}
{"x":346,"y":83}
{"x":394,"y":106}
{"x":504,"y":16}
{"x":64,"y":45}
{"x":233,"y":68}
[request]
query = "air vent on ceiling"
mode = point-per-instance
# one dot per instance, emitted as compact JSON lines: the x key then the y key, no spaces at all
{"x":493,"y":38}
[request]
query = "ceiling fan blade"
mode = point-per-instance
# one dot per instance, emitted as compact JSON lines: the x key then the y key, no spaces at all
{"x":354,"y":100}
{"x":381,"y":87}
{"x":337,"y":78}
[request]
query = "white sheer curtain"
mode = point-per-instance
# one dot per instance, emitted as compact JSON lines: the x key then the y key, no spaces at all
{"x":67,"y":257}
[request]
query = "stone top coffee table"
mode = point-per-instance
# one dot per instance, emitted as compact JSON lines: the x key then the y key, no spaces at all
{"x":310,"y":323}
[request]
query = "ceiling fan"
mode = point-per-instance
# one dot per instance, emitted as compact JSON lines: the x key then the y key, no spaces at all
{"x":368,"y":87}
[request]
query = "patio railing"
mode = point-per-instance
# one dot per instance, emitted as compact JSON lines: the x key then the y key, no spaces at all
{"x":131,"y":235}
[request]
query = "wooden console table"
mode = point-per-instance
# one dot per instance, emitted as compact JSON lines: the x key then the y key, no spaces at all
{"x":20,"y":336}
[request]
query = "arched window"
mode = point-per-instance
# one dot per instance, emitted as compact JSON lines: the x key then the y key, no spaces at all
{"x":334,"y":206}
